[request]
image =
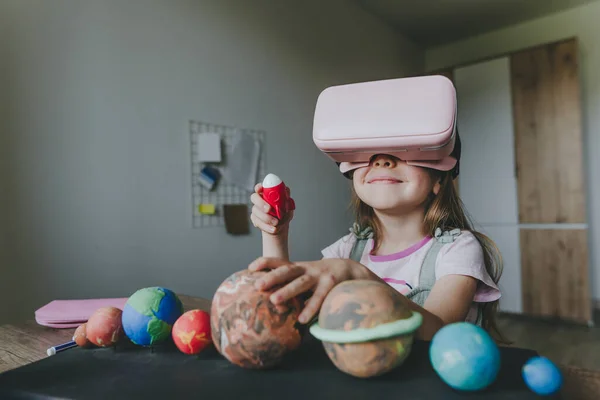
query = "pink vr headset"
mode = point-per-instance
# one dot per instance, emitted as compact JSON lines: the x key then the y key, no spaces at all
{"x":413,"y":119}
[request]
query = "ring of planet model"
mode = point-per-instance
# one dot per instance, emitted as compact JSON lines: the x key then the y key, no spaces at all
{"x":367,"y":328}
{"x":358,"y":335}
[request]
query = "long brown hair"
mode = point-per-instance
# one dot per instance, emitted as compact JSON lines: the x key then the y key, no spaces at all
{"x":446,"y":211}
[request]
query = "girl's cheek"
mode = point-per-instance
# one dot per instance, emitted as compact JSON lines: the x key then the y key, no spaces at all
{"x":419,"y":175}
{"x":359,"y":175}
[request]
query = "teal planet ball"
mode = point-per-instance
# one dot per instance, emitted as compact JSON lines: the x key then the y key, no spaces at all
{"x":464,"y":356}
{"x":149,"y":315}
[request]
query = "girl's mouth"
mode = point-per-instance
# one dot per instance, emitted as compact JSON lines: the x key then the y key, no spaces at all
{"x":384,"y":179}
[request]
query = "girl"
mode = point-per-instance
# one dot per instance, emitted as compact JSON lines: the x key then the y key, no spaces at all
{"x":410,"y":232}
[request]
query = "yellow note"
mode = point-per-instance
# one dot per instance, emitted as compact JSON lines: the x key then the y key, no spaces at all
{"x":206,"y":208}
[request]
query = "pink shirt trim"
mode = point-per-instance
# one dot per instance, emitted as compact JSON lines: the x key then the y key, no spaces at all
{"x":401,"y":254}
{"x":398,"y":281}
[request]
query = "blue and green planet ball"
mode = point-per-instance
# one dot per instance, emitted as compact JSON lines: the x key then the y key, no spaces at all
{"x":149,"y":315}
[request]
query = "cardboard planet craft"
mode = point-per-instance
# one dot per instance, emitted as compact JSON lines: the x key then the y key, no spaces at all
{"x":191,"y":332}
{"x":104,"y":327}
{"x":247,"y":328}
{"x":149,"y":315}
{"x":365,"y":327}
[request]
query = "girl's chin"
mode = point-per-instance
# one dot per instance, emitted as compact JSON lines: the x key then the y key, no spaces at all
{"x":395,"y":207}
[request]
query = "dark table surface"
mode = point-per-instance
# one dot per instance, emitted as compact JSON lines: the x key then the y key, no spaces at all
{"x":131,"y":372}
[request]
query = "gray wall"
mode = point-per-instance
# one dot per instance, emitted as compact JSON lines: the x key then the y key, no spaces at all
{"x":95,"y":100}
{"x":7,"y":273}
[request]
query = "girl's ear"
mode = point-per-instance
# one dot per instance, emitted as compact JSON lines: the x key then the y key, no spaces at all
{"x":436,"y":187}
{"x":437,"y":178}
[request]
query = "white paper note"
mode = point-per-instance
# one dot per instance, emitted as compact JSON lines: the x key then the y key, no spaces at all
{"x":208,"y":147}
{"x":241,"y":166}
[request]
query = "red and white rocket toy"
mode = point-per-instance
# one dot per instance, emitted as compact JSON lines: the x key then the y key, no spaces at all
{"x":275,"y":193}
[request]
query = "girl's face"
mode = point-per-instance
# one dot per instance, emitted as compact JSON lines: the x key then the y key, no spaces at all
{"x":390,"y":185}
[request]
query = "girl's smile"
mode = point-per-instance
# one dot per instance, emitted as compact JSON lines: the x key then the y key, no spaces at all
{"x":385,"y":179}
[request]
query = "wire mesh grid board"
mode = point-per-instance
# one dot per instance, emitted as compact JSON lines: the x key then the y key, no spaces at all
{"x":224,"y":192}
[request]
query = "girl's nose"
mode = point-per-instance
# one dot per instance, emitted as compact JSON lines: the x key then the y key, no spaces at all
{"x":383,"y":161}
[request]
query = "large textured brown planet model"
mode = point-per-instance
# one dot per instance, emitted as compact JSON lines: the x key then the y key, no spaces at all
{"x":247,"y":328}
{"x":366,"y":327}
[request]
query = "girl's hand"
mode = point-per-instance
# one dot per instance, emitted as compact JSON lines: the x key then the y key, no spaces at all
{"x":260,"y":217}
{"x":316,"y":277}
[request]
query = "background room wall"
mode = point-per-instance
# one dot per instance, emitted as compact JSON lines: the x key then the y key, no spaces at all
{"x":94,"y":173}
{"x":5,"y":276}
{"x":581,"y":22}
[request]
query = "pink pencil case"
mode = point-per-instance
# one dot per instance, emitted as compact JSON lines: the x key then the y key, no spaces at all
{"x":72,"y":313}
{"x":410,"y":118}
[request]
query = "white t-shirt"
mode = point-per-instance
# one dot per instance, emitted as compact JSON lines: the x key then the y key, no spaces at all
{"x":401,"y":270}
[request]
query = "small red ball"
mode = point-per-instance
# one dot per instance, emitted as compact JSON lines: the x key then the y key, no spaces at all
{"x":104,"y":328}
{"x":80,"y":336}
{"x":191,"y":332}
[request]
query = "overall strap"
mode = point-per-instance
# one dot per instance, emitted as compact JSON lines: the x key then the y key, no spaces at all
{"x":427,"y":275}
{"x":358,"y":249}
{"x":362,"y":237}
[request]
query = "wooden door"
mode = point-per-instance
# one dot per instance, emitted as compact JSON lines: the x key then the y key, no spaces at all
{"x":550,"y":182}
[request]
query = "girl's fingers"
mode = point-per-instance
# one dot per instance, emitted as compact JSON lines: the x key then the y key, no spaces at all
{"x":267,"y":263}
{"x":259,"y":202}
{"x":279,"y":276}
{"x":262,"y":225}
{"x":295,"y":288}
{"x":313,"y":304}
{"x":264,"y":217}
{"x":255,"y":198}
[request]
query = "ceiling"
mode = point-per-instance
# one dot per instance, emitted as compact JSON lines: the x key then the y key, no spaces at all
{"x":436,"y":22}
